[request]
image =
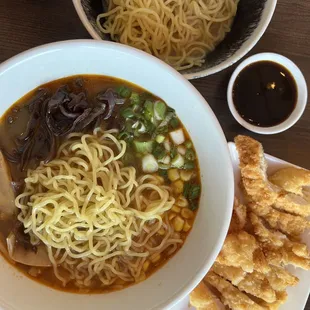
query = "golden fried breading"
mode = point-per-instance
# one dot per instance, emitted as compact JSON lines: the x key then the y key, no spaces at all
{"x":293,"y":225}
{"x":281,"y":299}
{"x":203,"y":299}
{"x":239,"y":216}
{"x":260,"y":262}
{"x":278,"y":249}
{"x":263,"y":234}
{"x":254,"y":283}
{"x":238,"y":251}
{"x":234,"y":274}
{"x":291,"y":179}
{"x":292,"y":203}
{"x":230,"y":295}
{"x":253,"y":168}
{"x":280,"y":279}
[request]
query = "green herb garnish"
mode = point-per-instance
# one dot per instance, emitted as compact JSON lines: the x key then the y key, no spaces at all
{"x":159,"y":151}
{"x":174,"y":123}
{"x":123,"y":91}
{"x":189,"y":165}
{"x":190,"y":155}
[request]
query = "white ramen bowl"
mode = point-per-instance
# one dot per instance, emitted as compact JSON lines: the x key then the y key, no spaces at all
{"x":181,"y":273}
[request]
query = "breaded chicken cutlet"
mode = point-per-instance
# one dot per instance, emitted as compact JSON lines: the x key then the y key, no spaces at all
{"x":264,"y":234}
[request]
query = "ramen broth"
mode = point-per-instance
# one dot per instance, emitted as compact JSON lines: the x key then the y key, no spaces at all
{"x":176,"y":166}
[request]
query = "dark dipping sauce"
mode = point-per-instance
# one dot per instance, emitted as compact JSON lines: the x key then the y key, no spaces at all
{"x":265,"y":94}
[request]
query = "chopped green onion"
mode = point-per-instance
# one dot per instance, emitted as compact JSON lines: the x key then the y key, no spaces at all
{"x":162,"y":129}
{"x":123,"y":91}
{"x":188,"y":144}
{"x":194,"y":192}
{"x":143,"y":146}
{"x":160,"y":139}
{"x":148,"y":110}
{"x":191,"y":191}
{"x":189,"y":165}
{"x":186,"y":189}
{"x":127,"y":113}
{"x":165,"y":160}
{"x":177,"y":136}
{"x":159,"y":151}
{"x":173,"y":152}
{"x":160,"y":109}
{"x":190,"y":154}
{"x":166,"y":120}
{"x":149,"y":164}
{"x":193,"y":206}
{"x":174,"y":123}
{"x":124,"y":135}
{"x":135,"y":99}
{"x":150,"y":127}
{"x":181,"y":149}
{"x":164,"y":166}
{"x":167,"y":145}
{"x":178,"y":161}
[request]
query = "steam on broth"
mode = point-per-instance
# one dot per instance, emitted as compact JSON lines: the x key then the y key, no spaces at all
{"x":100,"y":184}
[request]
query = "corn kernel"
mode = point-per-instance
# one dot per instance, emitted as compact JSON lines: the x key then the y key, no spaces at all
{"x":182,"y":202}
{"x":186,"y":175}
{"x":146,"y":265}
{"x":171,"y":216}
{"x":142,"y":277}
{"x":187,"y":213}
{"x":178,"y":186}
{"x":155,"y":258}
{"x":176,"y":209}
{"x":161,"y":232}
{"x":173,"y":174}
{"x":178,"y":223}
{"x":186,"y":226}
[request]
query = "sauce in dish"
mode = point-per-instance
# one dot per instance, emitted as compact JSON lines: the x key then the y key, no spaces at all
{"x":265,"y":94}
{"x":100,"y":184}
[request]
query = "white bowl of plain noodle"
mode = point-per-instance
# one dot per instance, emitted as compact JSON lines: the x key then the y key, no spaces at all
{"x":183,"y":271}
{"x":196,"y":37}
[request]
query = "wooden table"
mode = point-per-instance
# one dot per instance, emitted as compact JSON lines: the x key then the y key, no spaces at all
{"x":27,"y":23}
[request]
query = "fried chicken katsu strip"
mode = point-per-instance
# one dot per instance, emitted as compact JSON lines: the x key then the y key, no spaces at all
{"x":280,"y":279}
{"x":292,"y":203}
{"x":253,"y":168}
{"x":230,"y":295}
{"x":239,"y":216}
{"x":293,"y":225}
{"x":280,"y":300}
{"x":291,"y":179}
{"x":238,"y":250}
{"x":203,"y":299}
{"x":278,"y":249}
{"x":254,"y":283}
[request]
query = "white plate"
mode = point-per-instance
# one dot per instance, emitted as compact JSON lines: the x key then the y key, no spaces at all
{"x":298,"y":295}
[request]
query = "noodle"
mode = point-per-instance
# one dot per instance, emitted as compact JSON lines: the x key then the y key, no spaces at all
{"x":180,"y":32}
{"x":96,"y":219}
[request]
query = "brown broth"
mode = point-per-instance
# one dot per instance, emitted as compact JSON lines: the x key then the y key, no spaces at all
{"x":13,"y":124}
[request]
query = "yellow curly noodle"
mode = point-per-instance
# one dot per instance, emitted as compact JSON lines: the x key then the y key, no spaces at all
{"x":95,"y":217}
{"x":180,"y":32}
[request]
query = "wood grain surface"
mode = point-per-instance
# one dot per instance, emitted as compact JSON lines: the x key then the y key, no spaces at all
{"x":28,"y":23}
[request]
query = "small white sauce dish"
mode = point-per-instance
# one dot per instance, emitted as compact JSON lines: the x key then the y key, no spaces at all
{"x":302,"y":93}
